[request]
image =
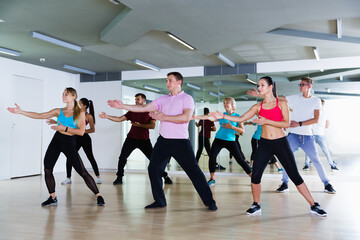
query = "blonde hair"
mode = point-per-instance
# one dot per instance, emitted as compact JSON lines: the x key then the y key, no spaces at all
{"x":77,"y":109}
{"x":230,"y":100}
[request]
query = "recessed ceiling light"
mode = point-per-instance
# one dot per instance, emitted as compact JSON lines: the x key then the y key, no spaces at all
{"x":1,"y":21}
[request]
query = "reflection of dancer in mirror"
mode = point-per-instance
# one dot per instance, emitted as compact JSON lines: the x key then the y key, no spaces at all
{"x":174,"y":111}
{"x":225,"y":138}
{"x":138,"y":136}
{"x":84,"y":141}
{"x":273,"y":115}
{"x":255,"y":143}
{"x":318,"y":130}
{"x":71,"y":122}
{"x":204,"y":135}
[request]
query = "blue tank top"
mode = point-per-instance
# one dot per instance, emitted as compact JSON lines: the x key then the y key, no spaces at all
{"x":257,"y":133}
{"x":66,"y":121}
{"x":227,"y":134}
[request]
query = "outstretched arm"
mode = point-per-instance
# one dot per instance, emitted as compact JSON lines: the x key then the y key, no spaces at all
{"x":112,"y":118}
{"x":206,"y":117}
{"x":52,"y":113}
{"x":185,"y":117}
{"x":150,"y":125}
{"x":246,"y":116}
{"x":150,"y":107}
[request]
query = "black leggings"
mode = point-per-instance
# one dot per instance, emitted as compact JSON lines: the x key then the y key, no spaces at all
{"x":129,"y":146}
{"x":254,"y":146}
{"x":67,"y":145}
{"x":203,"y":141}
{"x":281,"y":149}
{"x":233,"y":148}
{"x":84,"y":142}
{"x":237,"y":143}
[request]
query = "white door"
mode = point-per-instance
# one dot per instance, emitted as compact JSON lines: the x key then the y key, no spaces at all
{"x":26,"y":133}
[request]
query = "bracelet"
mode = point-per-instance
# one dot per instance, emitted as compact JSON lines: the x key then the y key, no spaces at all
{"x":300,"y":124}
{"x":66,"y":129}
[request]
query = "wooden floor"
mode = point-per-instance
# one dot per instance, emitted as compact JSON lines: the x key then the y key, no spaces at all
{"x":284,"y":216}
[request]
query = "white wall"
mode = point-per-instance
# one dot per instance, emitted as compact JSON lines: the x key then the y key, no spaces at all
{"x":54,"y":83}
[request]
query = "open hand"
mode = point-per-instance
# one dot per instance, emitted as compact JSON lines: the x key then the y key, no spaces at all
{"x":103,"y":115}
{"x":216,"y":115}
{"x":157,"y":115}
{"x":253,"y":93}
{"x":50,"y":121}
{"x":116,"y":104}
{"x":58,"y":127}
{"x":15,"y":110}
{"x":260,"y":120}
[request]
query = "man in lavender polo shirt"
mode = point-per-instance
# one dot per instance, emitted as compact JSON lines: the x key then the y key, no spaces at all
{"x":174,"y":111}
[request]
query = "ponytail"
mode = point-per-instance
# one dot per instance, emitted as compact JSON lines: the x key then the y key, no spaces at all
{"x":77,"y":111}
{"x":91,"y":109}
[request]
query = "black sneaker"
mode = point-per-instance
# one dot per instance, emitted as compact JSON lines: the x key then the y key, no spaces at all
{"x":283,"y":188}
{"x":306,"y":168}
{"x":218,"y":166}
{"x":334,"y":168}
{"x":329,"y":189}
{"x":154,"y":205}
{"x":212,"y":207}
{"x":315,"y":209}
{"x":100,"y":201}
{"x":50,"y":202}
{"x":254,"y":209}
{"x":118,"y":181}
{"x":168,"y":180}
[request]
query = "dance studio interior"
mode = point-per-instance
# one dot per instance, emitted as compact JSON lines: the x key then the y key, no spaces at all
{"x":115,"y":49}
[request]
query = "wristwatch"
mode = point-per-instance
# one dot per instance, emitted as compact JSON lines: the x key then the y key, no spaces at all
{"x":300,"y":124}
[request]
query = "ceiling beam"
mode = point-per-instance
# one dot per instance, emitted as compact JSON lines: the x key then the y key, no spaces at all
{"x":315,"y":35}
{"x":328,"y":74}
{"x":337,"y":94}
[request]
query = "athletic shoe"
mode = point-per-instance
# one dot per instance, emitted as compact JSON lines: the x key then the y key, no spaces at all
{"x":168,"y":180}
{"x":66,"y":181}
{"x":254,"y":209}
{"x":50,"y":202}
{"x":334,"y":168}
{"x":218,"y":166}
{"x":280,"y":170}
{"x":282,"y":188}
{"x":100,"y":201}
{"x":154,"y":205}
{"x":306,"y":168}
{"x":329,"y":189}
{"x":212,"y":207}
{"x":118,"y":181}
{"x":315,"y":209}
{"x":211,"y":182}
{"x":98,"y":180}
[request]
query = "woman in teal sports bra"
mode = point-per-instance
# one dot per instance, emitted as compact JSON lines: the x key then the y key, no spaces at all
{"x":71,"y":122}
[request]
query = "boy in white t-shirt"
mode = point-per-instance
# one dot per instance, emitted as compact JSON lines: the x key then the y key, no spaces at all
{"x":306,"y":111}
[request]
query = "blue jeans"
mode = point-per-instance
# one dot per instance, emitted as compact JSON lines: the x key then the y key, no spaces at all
{"x":307,"y":144}
{"x":322,"y":141}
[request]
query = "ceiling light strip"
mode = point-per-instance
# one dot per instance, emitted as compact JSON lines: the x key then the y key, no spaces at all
{"x":316,"y":53}
{"x":55,"y":41}
{"x":213,"y":94}
{"x":193,"y":86}
{"x":225,"y":60}
{"x":339,"y":27}
{"x":152,"y":88}
{"x":76,"y":69}
{"x":180,"y":41}
{"x":249,"y":80}
{"x":9,"y":52}
{"x":147,"y":65}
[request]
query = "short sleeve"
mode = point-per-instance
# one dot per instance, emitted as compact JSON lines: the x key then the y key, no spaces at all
{"x":157,"y":102}
{"x":291,"y":99}
{"x":189,"y":103}
{"x":317,"y":104}
{"x":128,"y":116}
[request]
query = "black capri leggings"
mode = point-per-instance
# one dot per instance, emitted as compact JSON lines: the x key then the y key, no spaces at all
{"x":84,"y":142}
{"x":67,"y":145}
{"x":237,"y":143}
{"x":233,"y":148}
{"x":281,"y":149}
{"x":254,"y":146}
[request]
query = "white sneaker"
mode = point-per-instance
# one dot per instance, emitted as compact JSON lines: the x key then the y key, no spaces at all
{"x":67,"y":181}
{"x":98,"y":180}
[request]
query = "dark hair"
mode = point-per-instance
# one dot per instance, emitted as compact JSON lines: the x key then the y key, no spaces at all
{"x":270,"y":81}
{"x":177,"y":75}
{"x":206,"y":111}
{"x":89,"y":104}
{"x":141,"y":95}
